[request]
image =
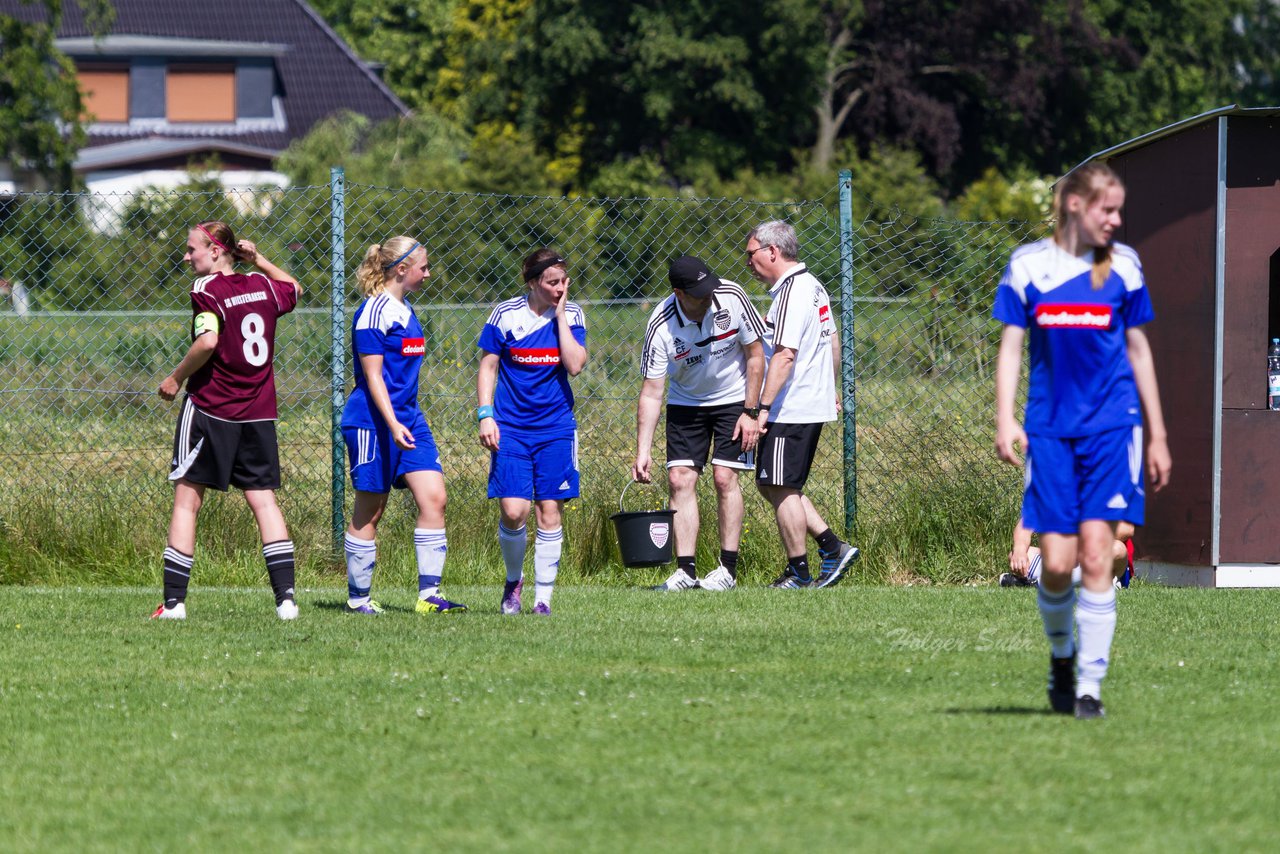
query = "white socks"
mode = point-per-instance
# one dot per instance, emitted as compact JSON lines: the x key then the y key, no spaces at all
{"x":1096,"y":626}
{"x":546,"y":563}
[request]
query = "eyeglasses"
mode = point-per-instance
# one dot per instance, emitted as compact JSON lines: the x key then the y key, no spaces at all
{"x":751,"y":252}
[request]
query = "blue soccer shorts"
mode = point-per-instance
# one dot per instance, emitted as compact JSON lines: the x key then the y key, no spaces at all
{"x":1069,"y":481}
{"x":533,"y":467}
{"x":378,"y":463}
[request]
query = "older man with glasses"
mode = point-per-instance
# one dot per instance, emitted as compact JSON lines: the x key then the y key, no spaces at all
{"x":798,"y":397}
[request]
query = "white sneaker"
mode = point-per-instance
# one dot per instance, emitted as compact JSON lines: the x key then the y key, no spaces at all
{"x":679,"y":580}
{"x":287,"y":610}
{"x":718,"y":579}
{"x":177,"y":612}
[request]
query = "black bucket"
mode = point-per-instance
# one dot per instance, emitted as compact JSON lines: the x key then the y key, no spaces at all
{"x":644,"y":536}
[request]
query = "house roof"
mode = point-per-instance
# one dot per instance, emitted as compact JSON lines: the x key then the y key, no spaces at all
{"x":318,"y":72}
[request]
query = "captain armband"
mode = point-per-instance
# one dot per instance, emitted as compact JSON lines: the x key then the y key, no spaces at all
{"x":205,"y":321}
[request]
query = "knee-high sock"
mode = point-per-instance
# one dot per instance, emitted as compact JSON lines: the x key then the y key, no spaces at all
{"x":431,"y":545}
{"x":1057,"y":611}
{"x":1096,"y":625}
{"x":514,"y":544}
{"x":362,"y":555}
{"x":177,"y":575}
{"x":546,"y":563}
{"x":280,"y":568}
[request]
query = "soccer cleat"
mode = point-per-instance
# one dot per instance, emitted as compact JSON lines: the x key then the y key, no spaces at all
{"x":1127,"y":578}
{"x":1088,"y":708}
{"x":438,"y":605}
{"x":287,"y":610}
{"x":542,"y":609}
{"x":835,"y":565}
{"x":718,"y":579}
{"x":790,"y":581}
{"x":177,"y":612}
{"x":678,"y":580}
{"x":1062,"y":684}
{"x":1012,"y":579}
{"x":369,"y":608}
{"x":511,"y":597}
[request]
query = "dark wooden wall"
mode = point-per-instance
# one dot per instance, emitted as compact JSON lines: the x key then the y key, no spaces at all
{"x":1170,"y":218}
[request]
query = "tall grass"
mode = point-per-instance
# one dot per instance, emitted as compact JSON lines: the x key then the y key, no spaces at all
{"x":84,"y":445}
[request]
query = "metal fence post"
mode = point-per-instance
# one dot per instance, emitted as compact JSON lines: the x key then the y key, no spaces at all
{"x":850,"y":420}
{"x":337,"y":349}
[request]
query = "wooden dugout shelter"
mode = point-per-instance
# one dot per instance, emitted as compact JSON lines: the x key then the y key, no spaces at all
{"x":1203,"y":211}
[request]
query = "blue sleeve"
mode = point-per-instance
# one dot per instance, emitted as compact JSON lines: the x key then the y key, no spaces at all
{"x":490,"y":339}
{"x":1008,"y":308}
{"x":1137,"y":308}
{"x":579,"y":334}
{"x":370,"y":342}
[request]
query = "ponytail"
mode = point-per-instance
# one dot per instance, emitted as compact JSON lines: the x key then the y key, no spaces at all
{"x":380,"y":261}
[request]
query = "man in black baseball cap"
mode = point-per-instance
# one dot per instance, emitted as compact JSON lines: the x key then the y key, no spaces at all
{"x":703,"y":344}
{"x":690,"y":275}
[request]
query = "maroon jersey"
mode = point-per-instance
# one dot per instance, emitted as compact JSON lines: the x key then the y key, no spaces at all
{"x":238,"y":382}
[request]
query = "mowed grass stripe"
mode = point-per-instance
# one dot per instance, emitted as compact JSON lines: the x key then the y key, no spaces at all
{"x":856,"y":718}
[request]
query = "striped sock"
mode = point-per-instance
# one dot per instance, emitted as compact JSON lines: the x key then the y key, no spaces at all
{"x":177,"y":574}
{"x":513,"y":544}
{"x":1096,"y":624}
{"x":1057,"y":611}
{"x":361,"y":557}
{"x":280,"y":568}
{"x":431,"y":545}
{"x":546,"y":563}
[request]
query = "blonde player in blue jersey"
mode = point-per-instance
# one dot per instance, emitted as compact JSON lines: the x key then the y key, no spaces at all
{"x":529,"y":347}
{"x":389,"y":442}
{"x":1080,"y":300}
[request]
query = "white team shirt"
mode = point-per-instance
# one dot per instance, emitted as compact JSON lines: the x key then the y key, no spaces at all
{"x":705,"y":360}
{"x":800,"y":318}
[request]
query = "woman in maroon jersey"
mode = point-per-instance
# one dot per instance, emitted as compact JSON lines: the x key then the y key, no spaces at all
{"x":226,"y":434}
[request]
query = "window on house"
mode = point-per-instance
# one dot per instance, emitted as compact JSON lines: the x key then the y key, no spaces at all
{"x":106,"y":93}
{"x":201,"y":93}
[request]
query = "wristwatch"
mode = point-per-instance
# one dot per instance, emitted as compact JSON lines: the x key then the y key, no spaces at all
{"x":751,"y":411}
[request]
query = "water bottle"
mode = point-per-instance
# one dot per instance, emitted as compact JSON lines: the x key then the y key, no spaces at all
{"x":1273,"y":375}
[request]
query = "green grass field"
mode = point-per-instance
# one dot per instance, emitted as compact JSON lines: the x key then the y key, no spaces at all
{"x":860,"y":718}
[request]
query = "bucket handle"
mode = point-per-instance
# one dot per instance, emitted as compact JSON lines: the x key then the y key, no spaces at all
{"x":623,"y":496}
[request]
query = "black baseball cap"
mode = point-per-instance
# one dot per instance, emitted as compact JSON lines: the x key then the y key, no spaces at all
{"x":690,"y":275}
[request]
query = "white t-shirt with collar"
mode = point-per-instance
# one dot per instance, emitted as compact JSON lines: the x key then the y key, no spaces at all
{"x":800,"y":318}
{"x":705,"y":360}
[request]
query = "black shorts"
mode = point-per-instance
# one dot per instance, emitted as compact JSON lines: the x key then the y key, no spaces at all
{"x":690,"y":430}
{"x":786,"y":454}
{"x":218,"y":454}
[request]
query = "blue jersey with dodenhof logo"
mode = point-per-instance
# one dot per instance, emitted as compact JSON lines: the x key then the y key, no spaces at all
{"x":1081,"y":381}
{"x":532,"y":392}
{"x":384,"y":326}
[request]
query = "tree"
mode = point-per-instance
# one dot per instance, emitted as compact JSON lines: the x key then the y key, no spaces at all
{"x":408,"y":38}
{"x":939,"y":76}
{"x":40,"y":104}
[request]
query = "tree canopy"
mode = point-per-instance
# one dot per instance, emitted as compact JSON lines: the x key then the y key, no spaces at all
{"x":696,"y":93}
{"x":40,"y":106}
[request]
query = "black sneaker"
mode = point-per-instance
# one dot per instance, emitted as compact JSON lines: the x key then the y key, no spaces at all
{"x":1062,"y":685}
{"x":1012,"y":579}
{"x":790,"y":581}
{"x":1088,"y":708}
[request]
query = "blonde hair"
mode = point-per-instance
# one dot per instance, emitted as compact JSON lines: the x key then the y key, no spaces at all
{"x":1088,"y":182}
{"x":380,"y":261}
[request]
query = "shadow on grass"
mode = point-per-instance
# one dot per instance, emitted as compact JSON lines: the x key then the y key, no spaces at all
{"x":1003,"y":710}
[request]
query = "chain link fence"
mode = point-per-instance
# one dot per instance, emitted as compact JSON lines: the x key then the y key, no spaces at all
{"x":99,"y":313}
